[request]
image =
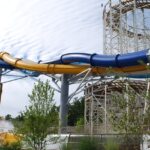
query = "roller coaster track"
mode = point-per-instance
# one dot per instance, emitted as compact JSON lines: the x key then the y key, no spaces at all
{"x":124,"y":7}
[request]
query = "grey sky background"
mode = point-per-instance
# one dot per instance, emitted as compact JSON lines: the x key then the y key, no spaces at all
{"x":43,"y":30}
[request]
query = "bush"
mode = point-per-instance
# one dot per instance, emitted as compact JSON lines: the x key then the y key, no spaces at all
{"x":111,"y":145}
{"x":12,"y":146}
{"x":88,"y":143}
{"x":66,"y":147}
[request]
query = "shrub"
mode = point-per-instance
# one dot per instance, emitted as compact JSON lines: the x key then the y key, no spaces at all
{"x":88,"y":143}
{"x":66,"y":147}
{"x":12,"y":146}
{"x":111,"y":145}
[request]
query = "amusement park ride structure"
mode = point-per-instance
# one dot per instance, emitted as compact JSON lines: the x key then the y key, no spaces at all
{"x":122,"y":35}
{"x":126,"y":26}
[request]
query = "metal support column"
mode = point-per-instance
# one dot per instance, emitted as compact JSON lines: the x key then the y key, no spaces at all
{"x":1,"y":85}
{"x":64,"y":103}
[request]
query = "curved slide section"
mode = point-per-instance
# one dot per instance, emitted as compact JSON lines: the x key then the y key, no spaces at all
{"x":99,"y":64}
{"x":130,"y":59}
{"x":46,"y":68}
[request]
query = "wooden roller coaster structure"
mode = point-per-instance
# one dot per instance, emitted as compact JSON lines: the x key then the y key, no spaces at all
{"x":126,"y":26}
{"x":126,"y":29}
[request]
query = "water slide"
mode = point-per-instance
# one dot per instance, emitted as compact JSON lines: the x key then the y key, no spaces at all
{"x":74,"y":63}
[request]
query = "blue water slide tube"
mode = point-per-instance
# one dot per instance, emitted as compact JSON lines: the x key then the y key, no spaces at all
{"x":5,"y":65}
{"x":26,"y":72}
{"x":129,"y":59}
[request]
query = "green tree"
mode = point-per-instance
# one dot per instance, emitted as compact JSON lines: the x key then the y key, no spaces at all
{"x":8,"y":117}
{"x":126,"y":115}
{"x":146,"y":116}
{"x":39,"y":116}
{"x":20,"y":117}
{"x":76,"y":111}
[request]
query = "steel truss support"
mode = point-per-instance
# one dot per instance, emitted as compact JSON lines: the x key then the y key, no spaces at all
{"x":65,"y":97}
{"x":81,"y":85}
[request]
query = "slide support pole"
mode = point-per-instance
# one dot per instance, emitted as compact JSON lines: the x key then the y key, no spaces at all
{"x":64,"y":103}
{"x":1,"y":85}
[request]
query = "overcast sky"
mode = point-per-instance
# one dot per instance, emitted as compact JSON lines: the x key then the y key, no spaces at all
{"x":43,"y":30}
